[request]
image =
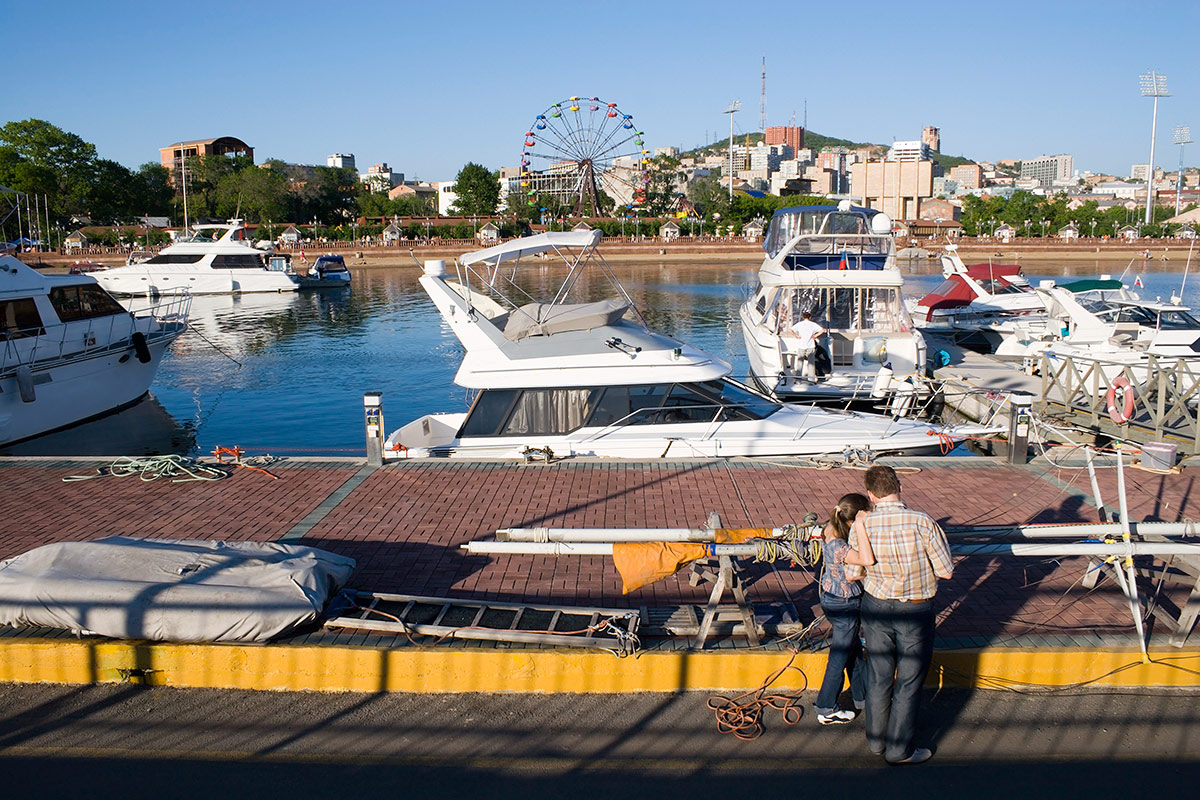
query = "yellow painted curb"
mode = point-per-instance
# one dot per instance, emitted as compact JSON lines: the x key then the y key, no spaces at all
{"x":362,"y":669}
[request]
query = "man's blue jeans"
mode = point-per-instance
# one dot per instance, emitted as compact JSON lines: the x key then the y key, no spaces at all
{"x":899,"y":637}
{"x":842,"y":613}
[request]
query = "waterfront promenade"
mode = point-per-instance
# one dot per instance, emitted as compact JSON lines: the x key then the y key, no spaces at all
{"x":1000,"y":619}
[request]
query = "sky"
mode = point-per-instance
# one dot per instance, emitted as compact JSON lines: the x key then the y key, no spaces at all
{"x":427,"y":87}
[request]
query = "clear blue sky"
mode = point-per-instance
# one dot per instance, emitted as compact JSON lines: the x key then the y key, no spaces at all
{"x":427,"y":86}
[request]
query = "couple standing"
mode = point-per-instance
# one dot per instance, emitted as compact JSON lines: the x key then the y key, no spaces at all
{"x":904,"y":553}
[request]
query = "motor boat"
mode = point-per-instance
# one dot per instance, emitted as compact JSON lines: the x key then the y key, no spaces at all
{"x":837,"y":263}
{"x":327,"y":272}
{"x":69,"y":351}
{"x":1104,"y":322}
{"x":979,"y":305}
{"x":568,"y":375}
{"x":214,"y":259}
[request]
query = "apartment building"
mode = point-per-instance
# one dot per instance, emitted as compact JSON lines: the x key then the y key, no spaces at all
{"x":1049,"y":169}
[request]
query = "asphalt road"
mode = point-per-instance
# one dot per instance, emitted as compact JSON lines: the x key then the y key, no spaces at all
{"x":132,"y":742}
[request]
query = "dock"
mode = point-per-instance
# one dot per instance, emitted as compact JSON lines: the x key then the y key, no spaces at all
{"x":1008,"y":620}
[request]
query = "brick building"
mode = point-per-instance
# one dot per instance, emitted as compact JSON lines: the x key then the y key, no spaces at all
{"x":789,"y":135}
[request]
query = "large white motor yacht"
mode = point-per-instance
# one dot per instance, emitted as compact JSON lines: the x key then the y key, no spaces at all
{"x":215,"y":259}
{"x":837,"y":263}
{"x":562,"y":378}
{"x":69,"y":351}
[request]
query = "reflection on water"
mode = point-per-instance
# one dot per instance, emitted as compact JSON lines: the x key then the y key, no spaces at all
{"x":285,"y":374}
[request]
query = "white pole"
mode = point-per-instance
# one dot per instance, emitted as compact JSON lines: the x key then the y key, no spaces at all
{"x":1023,"y":549}
{"x":1150,"y":169}
{"x":622,"y":534}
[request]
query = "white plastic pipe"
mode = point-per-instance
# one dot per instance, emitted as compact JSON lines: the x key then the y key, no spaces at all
{"x":1027,"y":549}
{"x":621,"y":534}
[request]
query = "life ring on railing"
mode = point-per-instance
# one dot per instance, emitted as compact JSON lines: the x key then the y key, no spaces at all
{"x":1125,"y":412}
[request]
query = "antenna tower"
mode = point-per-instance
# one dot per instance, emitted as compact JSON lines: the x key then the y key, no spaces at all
{"x":762,"y":106}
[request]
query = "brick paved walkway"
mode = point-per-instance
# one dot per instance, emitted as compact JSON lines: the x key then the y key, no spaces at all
{"x":403,"y":524}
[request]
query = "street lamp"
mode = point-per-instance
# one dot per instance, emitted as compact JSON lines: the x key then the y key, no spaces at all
{"x":1027,"y":226}
{"x":938,"y":230}
{"x":1153,"y":85}
{"x":1093,"y":229}
{"x":1043,"y":229}
{"x":1183,"y":135}
{"x":734,"y":107}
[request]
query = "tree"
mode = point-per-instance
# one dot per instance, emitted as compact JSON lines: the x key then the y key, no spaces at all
{"x":478,"y":190}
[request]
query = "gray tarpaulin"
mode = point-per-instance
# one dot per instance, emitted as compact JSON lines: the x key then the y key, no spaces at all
{"x":170,"y":590}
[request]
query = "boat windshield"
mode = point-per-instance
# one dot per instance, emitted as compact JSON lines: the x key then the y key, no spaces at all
{"x":1167,"y":320}
{"x":545,"y":412}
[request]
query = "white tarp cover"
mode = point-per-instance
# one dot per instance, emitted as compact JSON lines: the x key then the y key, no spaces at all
{"x":547,"y":319}
{"x":170,"y":589}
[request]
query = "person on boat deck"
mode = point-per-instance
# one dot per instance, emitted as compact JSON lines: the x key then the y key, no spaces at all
{"x":841,"y":595}
{"x":807,"y":332}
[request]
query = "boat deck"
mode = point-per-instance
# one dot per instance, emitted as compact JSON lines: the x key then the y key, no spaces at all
{"x":403,"y":523}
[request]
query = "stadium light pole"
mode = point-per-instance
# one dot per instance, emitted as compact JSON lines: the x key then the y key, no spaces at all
{"x":1183,"y":135}
{"x":1153,"y":85}
{"x":734,"y":107}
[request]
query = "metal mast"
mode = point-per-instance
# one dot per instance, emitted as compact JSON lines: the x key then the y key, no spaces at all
{"x":1183,"y":135}
{"x":734,"y":107}
{"x":1153,"y":85}
{"x":762,"y":105}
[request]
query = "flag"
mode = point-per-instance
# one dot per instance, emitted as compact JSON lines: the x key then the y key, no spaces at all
{"x":1138,"y":282}
{"x":843,"y":264}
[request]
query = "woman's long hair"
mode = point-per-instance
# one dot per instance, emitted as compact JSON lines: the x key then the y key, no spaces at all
{"x":845,"y":511}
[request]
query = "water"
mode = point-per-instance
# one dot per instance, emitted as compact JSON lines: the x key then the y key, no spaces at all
{"x":303,"y":361}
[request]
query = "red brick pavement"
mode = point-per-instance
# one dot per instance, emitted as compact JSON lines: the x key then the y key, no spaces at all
{"x":404,"y":524}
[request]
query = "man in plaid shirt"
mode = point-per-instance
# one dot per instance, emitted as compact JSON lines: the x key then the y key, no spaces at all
{"x":911,"y":554}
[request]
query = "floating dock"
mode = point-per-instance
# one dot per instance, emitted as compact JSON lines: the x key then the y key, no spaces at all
{"x":1000,"y":620}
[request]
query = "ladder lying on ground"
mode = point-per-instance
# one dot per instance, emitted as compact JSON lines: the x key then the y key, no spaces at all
{"x":612,"y":629}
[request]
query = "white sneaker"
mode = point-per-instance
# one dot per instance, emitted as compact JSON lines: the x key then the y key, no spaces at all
{"x":840,"y":717}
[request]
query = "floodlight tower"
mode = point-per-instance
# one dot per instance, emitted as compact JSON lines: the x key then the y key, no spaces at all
{"x":1153,"y":85}
{"x":734,"y":107}
{"x":1183,"y":135}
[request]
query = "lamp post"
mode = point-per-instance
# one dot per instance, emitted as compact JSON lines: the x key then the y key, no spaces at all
{"x":1183,"y":135}
{"x":734,"y":107}
{"x":1043,"y":229}
{"x":938,"y":230}
{"x":1027,"y":226}
{"x":1093,"y":229}
{"x":1153,"y":85}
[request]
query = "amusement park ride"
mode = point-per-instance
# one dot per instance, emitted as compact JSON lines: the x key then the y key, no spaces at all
{"x":581,"y":149}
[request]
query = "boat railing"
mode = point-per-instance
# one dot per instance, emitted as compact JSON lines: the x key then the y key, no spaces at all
{"x":49,"y":345}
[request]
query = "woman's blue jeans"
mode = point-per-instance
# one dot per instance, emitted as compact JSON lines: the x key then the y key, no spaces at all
{"x":842,"y":613}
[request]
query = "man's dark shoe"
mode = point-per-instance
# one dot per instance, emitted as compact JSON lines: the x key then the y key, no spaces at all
{"x":919,"y":756}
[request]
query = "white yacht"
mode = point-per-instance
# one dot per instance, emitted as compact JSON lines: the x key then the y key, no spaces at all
{"x":559,"y":378}
{"x":214,"y":259}
{"x":1102,"y":321}
{"x":837,"y":263}
{"x":69,"y":351}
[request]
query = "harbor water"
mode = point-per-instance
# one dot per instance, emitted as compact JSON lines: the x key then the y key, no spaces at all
{"x":285,"y":374}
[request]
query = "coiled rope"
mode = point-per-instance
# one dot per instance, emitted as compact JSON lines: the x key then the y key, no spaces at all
{"x":743,"y":717}
{"x":175,"y":467}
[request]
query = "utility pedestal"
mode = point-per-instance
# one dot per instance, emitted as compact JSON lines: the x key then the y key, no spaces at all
{"x":1019,"y":421}
{"x":373,"y":419}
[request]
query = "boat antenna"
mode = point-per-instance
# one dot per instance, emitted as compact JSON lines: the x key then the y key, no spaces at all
{"x":183,"y":177}
{"x":1186,"y":266}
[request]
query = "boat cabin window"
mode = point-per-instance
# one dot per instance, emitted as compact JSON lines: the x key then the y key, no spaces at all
{"x":544,"y":412}
{"x":1177,"y":320}
{"x":86,"y":301}
{"x":876,"y":309}
{"x":845,"y":224}
{"x":19,"y":318}
{"x":175,"y":258}
{"x":237,"y":261}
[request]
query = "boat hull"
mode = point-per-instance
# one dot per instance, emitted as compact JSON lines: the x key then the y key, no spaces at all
{"x":137,"y":281}
{"x":74,"y":391}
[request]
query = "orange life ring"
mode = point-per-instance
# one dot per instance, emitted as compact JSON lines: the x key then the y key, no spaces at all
{"x":1125,"y":413}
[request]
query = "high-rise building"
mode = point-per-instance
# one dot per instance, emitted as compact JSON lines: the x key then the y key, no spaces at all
{"x":968,"y":176}
{"x":340,"y":161}
{"x":788,"y":135}
{"x":933,"y":137}
{"x":1049,"y":169}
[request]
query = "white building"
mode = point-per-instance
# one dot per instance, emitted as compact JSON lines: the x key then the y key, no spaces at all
{"x":341,"y":161}
{"x":914,"y":150}
{"x":381,"y":179}
{"x":671,"y":152}
{"x":445,"y":196}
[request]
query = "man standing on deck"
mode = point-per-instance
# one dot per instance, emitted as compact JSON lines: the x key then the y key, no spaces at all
{"x":807,"y":332}
{"x":911,"y":554}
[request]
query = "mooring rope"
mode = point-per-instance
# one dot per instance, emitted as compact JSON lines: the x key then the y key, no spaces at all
{"x":175,"y":467}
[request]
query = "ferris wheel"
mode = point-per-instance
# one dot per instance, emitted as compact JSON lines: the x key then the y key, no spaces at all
{"x":580,"y":150}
